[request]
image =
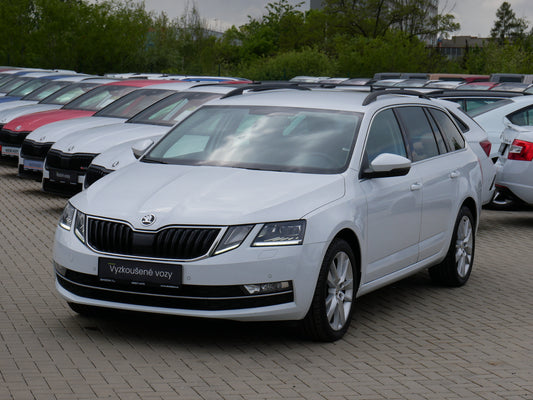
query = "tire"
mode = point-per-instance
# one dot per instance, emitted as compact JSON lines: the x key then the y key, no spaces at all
{"x":501,"y":202}
{"x":456,"y":267}
{"x":332,"y":308}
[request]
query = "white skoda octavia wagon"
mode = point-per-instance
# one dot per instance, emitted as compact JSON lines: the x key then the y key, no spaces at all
{"x":277,"y":203}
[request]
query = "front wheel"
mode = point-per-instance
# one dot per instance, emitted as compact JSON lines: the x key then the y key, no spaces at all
{"x":455,"y":269}
{"x":331,"y":310}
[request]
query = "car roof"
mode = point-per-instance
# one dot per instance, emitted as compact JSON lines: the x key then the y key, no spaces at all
{"x":319,"y":98}
{"x":137,"y":82}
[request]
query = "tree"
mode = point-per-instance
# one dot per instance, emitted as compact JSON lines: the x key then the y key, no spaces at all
{"x":507,"y":26}
{"x":375,"y":18}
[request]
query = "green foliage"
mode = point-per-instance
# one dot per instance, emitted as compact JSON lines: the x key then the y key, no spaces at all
{"x":348,"y":38}
{"x":362,"y":57}
{"x":376,"y":18}
{"x":507,"y":58}
{"x":507,"y":26}
{"x":289,"y":64}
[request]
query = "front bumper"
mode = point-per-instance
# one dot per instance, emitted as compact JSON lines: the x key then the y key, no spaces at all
{"x":212,"y":287}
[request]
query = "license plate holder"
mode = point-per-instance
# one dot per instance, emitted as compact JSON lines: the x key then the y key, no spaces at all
{"x":64,"y":177}
{"x":10,"y":151}
{"x":139,"y":272}
{"x":34,"y":165}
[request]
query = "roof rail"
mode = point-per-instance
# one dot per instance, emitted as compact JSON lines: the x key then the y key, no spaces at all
{"x":261,"y":87}
{"x":374,"y":95}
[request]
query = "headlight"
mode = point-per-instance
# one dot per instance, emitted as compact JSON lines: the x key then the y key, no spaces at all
{"x":281,"y":234}
{"x":67,"y":217}
{"x":79,"y":225}
{"x":233,"y":238}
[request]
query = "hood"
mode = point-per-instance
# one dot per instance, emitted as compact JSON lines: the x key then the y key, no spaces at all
{"x":7,"y":99}
{"x":9,"y":113}
{"x":119,"y":155}
{"x":194,"y":195}
{"x":52,"y":132}
{"x":13,"y":104}
{"x":97,"y":139}
{"x":30,"y":122}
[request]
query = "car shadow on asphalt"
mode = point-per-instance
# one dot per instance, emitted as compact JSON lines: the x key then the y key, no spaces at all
{"x":137,"y":326}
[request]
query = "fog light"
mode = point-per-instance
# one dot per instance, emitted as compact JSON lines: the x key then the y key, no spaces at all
{"x":60,"y":269}
{"x":272,"y":287}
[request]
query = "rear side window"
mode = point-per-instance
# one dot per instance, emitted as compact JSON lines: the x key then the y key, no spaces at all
{"x":522,"y":117}
{"x":449,"y":130}
{"x":419,"y":133}
{"x":384,"y":136}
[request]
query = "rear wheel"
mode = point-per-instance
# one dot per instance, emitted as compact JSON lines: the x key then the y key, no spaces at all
{"x":455,"y":269}
{"x":331,"y":310}
{"x":501,"y":201}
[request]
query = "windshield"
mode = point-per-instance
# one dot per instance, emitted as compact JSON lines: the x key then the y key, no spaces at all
{"x":133,"y":103}
{"x":13,"y":84}
{"x":488,"y":107}
{"x":28,"y":87}
{"x":6,"y":78}
{"x":69,"y":93}
{"x":173,"y":109}
{"x":264,"y":138}
{"x":45,"y":91}
{"x":98,"y":98}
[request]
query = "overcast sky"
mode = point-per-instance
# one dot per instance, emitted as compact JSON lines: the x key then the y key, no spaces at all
{"x":475,"y":16}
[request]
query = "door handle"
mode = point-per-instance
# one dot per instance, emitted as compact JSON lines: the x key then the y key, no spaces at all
{"x":416,"y":186}
{"x":454,"y":174}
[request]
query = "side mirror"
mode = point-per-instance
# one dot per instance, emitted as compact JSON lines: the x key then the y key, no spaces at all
{"x":387,"y":165}
{"x":140,"y":147}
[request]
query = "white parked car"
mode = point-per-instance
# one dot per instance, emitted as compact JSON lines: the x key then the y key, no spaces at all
{"x":37,"y":143}
{"x":68,"y":159}
{"x":277,"y":205}
{"x":492,"y":117}
{"x":53,"y":102}
{"x":479,"y":142}
{"x":514,"y":177}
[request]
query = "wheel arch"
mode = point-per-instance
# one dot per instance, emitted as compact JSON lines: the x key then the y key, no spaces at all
{"x":350,"y":237}
{"x":470,"y":203}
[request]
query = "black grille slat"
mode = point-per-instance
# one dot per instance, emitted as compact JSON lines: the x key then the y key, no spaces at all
{"x":93,"y":173}
{"x":10,"y":137}
{"x":34,"y":150}
{"x":71,"y":162}
{"x":171,"y":243}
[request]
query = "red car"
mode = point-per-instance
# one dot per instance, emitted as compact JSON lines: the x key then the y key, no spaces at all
{"x":12,"y":134}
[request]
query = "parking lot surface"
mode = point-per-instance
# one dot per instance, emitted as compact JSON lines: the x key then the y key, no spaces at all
{"x":411,"y":340}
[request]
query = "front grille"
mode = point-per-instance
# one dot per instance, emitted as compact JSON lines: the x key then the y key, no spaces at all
{"x":173,"y":243}
{"x":70,"y":162}
{"x":93,"y":173}
{"x":230,"y":297}
{"x":12,"y":138}
{"x":34,"y":150}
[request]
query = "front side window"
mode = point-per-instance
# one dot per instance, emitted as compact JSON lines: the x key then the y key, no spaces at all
{"x":419,"y":133}
{"x":263,"y":138}
{"x":384,"y":136}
